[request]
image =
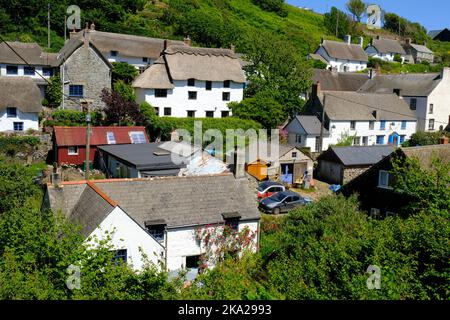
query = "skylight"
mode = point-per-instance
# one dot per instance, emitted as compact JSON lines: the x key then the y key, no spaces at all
{"x":110,"y":137}
{"x":137,"y":137}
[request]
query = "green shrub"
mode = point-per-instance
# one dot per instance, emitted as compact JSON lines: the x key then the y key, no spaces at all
{"x":11,"y":145}
{"x":72,"y":118}
{"x":424,"y":138}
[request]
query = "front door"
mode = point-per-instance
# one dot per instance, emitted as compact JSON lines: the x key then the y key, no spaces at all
{"x":393,"y":139}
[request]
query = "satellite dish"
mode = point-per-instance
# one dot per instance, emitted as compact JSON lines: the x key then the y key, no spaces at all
{"x":374,"y":16}
{"x":74,"y":19}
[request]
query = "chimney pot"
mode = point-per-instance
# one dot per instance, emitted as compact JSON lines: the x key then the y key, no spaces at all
{"x":233,"y":48}
{"x":397,"y":91}
{"x":187,"y":41}
{"x":408,"y":40}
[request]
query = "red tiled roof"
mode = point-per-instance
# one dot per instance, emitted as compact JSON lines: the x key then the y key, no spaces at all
{"x":76,"y":136}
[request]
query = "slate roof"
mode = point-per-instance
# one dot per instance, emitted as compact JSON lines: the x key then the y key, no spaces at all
{"x":179,"y":201}
{"x":434,"y":33}
{"x":359,"y":155}
{"x":384,"y":45}
{"x":360,"y":106}
{"x":76,"y":136}
{"x":311,"y":124}
{"x":342,"y":50}
{"x":148,"y":156}
{"x":20,"y":92}
{"x":411,"y":84}
{"x":31,"y":52}
{"x":339,"y":81}
{"x":420,"y":48}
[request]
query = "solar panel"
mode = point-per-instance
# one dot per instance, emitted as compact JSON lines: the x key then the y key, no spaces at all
{"x":110,"y":137}
{"x":137,"y":137}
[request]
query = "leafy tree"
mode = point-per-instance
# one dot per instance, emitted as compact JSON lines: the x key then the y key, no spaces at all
{"x":424,"y":138}
{"x":122,"y":71}
{"x":125,"y":90}
{"x":357,"y":8}
{"x":337,"y":22}
{"x":53,"y":92}
{"x":398,"y":58}
{"x":272,"y":5}
{"x":404,"y":27}
{"x":119,"y":111}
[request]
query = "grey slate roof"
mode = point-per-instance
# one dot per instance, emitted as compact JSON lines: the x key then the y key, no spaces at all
{"x":339,"y":81}
{"x":420,"y":48}
{"x":342,"y":50}
{"x":20,"y":92}
{"x":361,"y":155}
{"x":411,"y":84}
{"x":179,"y":201}
{"x":360,"y":106}
{"x":434,"y":33}
{"x":425,"y":154}
{"x":311,"y":124}
{"x":143,"y":156}
{"x":384,"y":45}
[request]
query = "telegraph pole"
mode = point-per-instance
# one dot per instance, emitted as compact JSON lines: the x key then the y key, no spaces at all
{"x":88,"y":141}
{"x":322,"y":124}
{"x":48,"y":25}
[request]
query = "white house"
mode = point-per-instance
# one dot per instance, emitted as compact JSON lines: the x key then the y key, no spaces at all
{"x":158,"y":217}
{"x":192,"y":82}
{"x":428,"y":95}
{"x":344,"y":56}
{"x":385,"y":49}
{"x":40,"y":63}
{"x":304,"y":131}
{"x":20,"y":104}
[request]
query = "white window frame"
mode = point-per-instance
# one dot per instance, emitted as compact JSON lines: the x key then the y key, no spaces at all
{"x":380,"y":172}
{"x":71,"y":153}
{"x":131,"y":133}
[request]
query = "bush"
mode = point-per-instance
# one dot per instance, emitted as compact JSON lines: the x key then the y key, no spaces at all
{"x":424,"y":138}
{"x":11,"y":145}
{"x":398,"y":58}
{"x":72,"y":118}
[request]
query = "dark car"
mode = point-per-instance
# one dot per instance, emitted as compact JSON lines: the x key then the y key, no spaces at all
{"x":268,"y":188}
{"x":283,"y":201}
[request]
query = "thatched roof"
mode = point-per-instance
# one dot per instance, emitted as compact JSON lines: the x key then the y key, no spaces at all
{"x":72,"y":45}
{"x":20,"y":92}
{"x":384,"y":45}
{"x":155,"y":77}
{"x":342,"y":50}
{"x":31,"y":52}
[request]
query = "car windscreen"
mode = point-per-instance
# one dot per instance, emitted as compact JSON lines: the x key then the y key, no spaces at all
{"x":278,"y":197}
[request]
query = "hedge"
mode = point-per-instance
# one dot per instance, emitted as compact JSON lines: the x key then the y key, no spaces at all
{"x":72,"y":118}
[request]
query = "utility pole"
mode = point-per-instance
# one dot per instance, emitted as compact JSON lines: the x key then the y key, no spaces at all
{"x":88,"y":141}
{"x":322,"y":125}
{"x":337,"y":23}
{"x":48,"y":25}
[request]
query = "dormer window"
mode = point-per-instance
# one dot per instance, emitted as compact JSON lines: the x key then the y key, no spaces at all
{"x":144,"y":59}
{"x":114,"y":53}
{"x":11,"y":112}
{"x":156,"y":228}
{"x":191,"y":82}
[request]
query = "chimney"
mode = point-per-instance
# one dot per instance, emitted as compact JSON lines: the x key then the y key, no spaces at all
{"x":378,"y":37}
{"x":361,"y":41}
{"x":187,"y":41}
{"x":443,"y":140}
{"x":86,"y":35}
{"x":408,"y":40}
{"x":315,"y":89}
{"x":374,"y":113}
{"x":92,"y":28}
{"x":445,"y":73}
{"x":348,"y":39}
{"x":233,"y":48}
{"x":72,"y":34}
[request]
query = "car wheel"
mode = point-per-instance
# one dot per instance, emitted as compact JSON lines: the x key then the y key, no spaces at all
{"x":276,"y":211}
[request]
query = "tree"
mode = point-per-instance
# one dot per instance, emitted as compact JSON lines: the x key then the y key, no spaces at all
{"x":357,"y":8}
{"x":118,"y":111}
{"x":398,"y":58}
{"x":125,"y":90}
{"x":53,"y":92}
{"x":272,"y":5}
{"x":337,"y":22}
{"x":122,"y":71}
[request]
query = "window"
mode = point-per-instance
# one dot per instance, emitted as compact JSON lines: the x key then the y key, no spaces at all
{"x":430,"y":111}
{"x":72,"y":151}
{"x":365,"y":141}
{"x":114,"y":53}
{"x":380,"y":139}
{"x":402,"y":139}
{"x":384,"y":179}
{"x":233,"y":223}
{"x":192,"y":95}
{"x":137,"y":137}
{"x":161,"y":93}
{"x":357,"y":141}
{"x":75,"y":90}
{"x":120,"y":256}
{"x":209,"y":114}
{"x":225,"y":114}
{"x":413,"y":104}
{"x":403,"y":125}
{"x":225,"y":96}
{"x":352,"y":125}
{"x":191,"y":82}
{"x":294,"y":154}
{"x":11,"y":112}
{"x":157,"y":231}
{"x":191,"y":114}
{"x":375,"y":213}
{"x":145,"y":59}
{"x":142,"y":69}
{"x":110,"y":138}
{"x":156,"y":111}
{"x":167,"y":111}
{"x":48,"y":72}
{"x":192,"y":262}
{"x":383,"y":125}
{"x":431,"y":124}
{"x":12,"y":70}
{"x":18,"y":126}
{"x":316,"y":147}
{"x":208,"y":85}
{"x":28,"y":71}
{"x":371,"y":125}
{"x":298,"y":138}
{"x":226,"y":84}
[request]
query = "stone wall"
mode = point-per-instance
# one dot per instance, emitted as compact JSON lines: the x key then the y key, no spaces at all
{"x":87,"y":68}
{"x":351,"y":173}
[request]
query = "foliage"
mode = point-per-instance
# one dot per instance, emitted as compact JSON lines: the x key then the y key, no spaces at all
{"x":11,"y":145}
{"x":317,"y":64}
{"x":345,"y":140}
{"x":125,"y":91}
{"x":337,"y":22}
{"x":272,"y":5}
{"x":396,"y":67}
{"x":398,"y":58}
{"x":119,"y":111}
{"x":357,"y":8}
{"x":421,"y":138}
{"x":122,"y":71}
{"x":405,"y":28}
{"x":53,"y":92}
{"x":72,"y":118}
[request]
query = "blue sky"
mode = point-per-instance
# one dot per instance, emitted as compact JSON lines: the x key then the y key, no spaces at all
{"x":432,"y":14}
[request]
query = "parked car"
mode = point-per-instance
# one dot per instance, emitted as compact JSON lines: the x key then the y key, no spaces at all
{"x":283,"y":201}
{"x":268,"y":188}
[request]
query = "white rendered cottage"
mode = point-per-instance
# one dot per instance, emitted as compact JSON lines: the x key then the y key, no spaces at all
{"x":428,"y":95}
{"x":385,"y":49}
{"x":343,"y":56}
{"x":192,"y":82}
{"x":20,"y":104}
{"x":158,"y":217}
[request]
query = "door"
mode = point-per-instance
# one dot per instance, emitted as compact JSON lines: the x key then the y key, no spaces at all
{"x":287,"y":171}
{"x":393,"y":139}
